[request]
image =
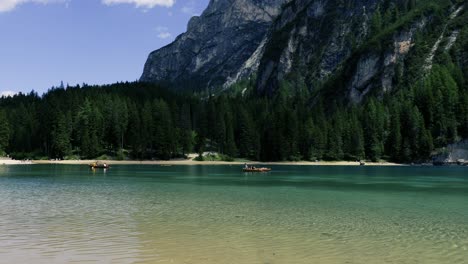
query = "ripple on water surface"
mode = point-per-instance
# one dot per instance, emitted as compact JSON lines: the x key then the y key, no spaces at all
{"x":215,"y":214}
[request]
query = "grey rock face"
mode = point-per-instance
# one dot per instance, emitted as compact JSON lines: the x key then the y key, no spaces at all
{"x":378,"y":70}
{"x":366,"y":70}
{"x":319,"y":39}
{"x":453,"y":153}
{"x":308,"y":42}
{"x":314,"y":35}
{"x":221,"y":46}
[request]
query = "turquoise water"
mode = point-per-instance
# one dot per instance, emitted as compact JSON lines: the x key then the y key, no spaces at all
{"x":217,"y":214}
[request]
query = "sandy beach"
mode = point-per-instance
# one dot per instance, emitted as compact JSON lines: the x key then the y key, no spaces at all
{"x":191,"y":162}
{"x":7,"y":161}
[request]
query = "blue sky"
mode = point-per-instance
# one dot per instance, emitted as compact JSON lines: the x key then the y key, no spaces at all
{"x":44,"y":42}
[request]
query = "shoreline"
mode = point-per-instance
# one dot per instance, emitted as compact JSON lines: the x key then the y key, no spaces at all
{"x":15,"y":162}
{"x":189,"y":162}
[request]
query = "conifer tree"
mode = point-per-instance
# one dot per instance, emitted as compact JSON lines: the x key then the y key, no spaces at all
{"x":373,"y":130}
{"x":394,"y":142}
{"x":247,"y":139}
{"x":60,"y":135}
{"x":4,"y":131}
{"x":147,"y":127}
{"x":83,"y":126}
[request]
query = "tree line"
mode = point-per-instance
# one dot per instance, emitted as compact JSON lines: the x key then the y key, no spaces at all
{"x":146,"y":121}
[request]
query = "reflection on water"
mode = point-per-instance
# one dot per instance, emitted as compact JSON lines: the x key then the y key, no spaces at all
{"x":217,"y":214}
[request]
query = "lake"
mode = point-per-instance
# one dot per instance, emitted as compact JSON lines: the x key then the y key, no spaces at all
{"x":218,"y":214}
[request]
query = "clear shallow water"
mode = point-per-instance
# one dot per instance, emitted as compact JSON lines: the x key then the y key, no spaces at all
{"x":216,"y":214}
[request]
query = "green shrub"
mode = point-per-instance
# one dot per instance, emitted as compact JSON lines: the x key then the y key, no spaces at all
{"x":226,"y":158}
{"x":72,"y":157}
{"x":104,"y":157}
{"x":199,"y":158}
{"x":121,"y":155}
{"x":294,"y":158}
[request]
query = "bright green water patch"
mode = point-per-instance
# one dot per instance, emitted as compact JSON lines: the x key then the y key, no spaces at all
{"x":217,"y":214}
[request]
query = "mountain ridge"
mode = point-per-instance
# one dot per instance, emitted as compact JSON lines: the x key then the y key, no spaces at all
{"x":215,"y":46}
{"x":306,"y":43}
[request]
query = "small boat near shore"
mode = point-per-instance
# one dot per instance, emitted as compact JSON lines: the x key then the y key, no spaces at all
{"x":97,"y":165}
{"x":253,"y":169}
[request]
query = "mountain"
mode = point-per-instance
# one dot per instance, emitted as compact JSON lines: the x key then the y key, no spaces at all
{"x":219,"y":47}
{"x":320,"y":80}
{"x":340,"y":48}
{"x":368,"y":46}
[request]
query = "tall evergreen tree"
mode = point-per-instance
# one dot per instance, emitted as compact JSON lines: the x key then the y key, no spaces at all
{"x":60,"y":134}
{"x":374,"y":127}
{"x":120,"y":121}
{"x":163,"y":133}
{"x":83,"y":126}
{"x":394,"y":142}
{"x":135,"y":131}
{"x":147,"y":127}
{"x":353,"y":138}
{"x":247,"y":138}
{"x":4,"y":131}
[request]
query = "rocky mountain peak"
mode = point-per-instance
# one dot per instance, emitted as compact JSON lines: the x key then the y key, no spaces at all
{"x":216,"y":45}
{"x":353,"y":47}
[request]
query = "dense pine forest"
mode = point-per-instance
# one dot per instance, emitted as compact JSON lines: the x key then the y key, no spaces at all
{"x":145,"y":121}
{"x":427,"y":109}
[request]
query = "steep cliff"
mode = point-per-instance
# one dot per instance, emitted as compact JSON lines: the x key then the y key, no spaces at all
{"x":343,"y":49}
{"x":311,"y":38}
{"x":219,"y":47}
{"x":354,"y":47}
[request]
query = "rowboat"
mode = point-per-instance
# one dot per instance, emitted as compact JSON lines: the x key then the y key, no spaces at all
{"x":256,"y":169}
{"x":99,"y":166}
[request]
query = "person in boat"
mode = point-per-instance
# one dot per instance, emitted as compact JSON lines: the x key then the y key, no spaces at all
{"x":246,"y":166}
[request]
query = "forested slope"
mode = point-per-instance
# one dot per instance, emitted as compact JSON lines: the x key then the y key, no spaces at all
{"x":399,"y":93}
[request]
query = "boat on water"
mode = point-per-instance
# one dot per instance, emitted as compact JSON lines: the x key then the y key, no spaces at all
{"x":253,"y":169}
{"x":97,"y":165}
